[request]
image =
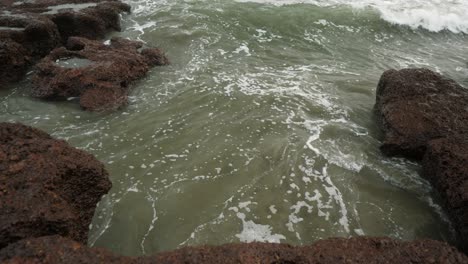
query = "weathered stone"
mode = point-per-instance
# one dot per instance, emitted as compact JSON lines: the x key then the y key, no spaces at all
{"x":416,"y":106}
{"x":55,"y":249}
{"x":424,"y":114}
{"x":14,"y":61}
{"x":39,"y":26}
{"x":46,"y":186}
{"x":92,"y":22}
{"x":104,"y":83}
{"x":446,"y":166}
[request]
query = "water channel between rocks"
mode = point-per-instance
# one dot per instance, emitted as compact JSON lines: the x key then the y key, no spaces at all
{"x":260,"y":130}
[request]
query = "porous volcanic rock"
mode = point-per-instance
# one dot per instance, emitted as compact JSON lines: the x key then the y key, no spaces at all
{"x":40,"y":26}
{"x":83,"y":18}
{"x":33,"y":38}
{"x":14,"y":61}
{"x":425,"y":115}
{"x":445,"y":164}
{"x":38,"y":36}
{"x":47,"y":187}
{"x":56,"y":249}
{"x":417,"y":105}
{"x":104,"y":83}
{"x":92,"y":22}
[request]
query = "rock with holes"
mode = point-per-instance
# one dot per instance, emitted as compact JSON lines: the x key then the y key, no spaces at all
{"x":22,"y":41}
{"x":47,"y":187}
{"x":103,"y":81}
{"x":39,"y":26}
{"x":14,"y":61}
{"x":56,"y":249}
{"x":85,"y":18}
{"x":445,"y":164}
{"x":38,"y":35}
{"x":417,"y":105}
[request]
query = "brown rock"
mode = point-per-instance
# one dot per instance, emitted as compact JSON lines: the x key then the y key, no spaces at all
{"x":92,"y":22}
{"x":38,"y":36}
{"x":47,"y":187}
{"x":424,"y":114}
{"x":416,"y":106}
{"x":14,"y":61}
{"x":55,"y":249}
{"x":446,"y":166}
{"x":39,"y":29}
{"x":103,"y":83}
{"x":103,"y":98}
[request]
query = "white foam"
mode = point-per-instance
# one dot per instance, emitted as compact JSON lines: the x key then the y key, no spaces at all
{"x":252,"y":232}
{"x":433,"y":15}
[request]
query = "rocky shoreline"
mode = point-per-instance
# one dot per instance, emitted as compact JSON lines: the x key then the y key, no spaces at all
{"x":424,"y":116}
{"x":49,"y":190}
{"x":54,"y":34}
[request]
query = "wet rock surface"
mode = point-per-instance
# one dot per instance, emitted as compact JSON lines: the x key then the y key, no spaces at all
{"x":47,"y":187}
{"x":102,"y":84}
{"x":445,"y":164}
{"x":56,"y":249}
{"x":425,"y":116}
{"x":39,"y":26}
{"x":417,"y":105}
{"x":92,"y":22}
{"x":14,"y":61}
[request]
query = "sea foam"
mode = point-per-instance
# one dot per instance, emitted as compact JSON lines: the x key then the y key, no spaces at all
{"x":433,"y":15}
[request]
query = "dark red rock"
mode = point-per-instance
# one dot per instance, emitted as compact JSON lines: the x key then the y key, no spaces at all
{"x":46,"y":186}
{"x":424,"y":114}
{"x":103,"y":98}
{"x":20,"y":48}
{"x":14,"y":61}
{"x":40,"y":32}
{"x":91,"y":22}
{"x":445,"y":164}
{"x":55,"y":249}
{"x":104,"y":83}
{"x":416,"y":106}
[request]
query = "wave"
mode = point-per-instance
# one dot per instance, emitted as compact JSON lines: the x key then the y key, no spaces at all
{"x":432,"y":15}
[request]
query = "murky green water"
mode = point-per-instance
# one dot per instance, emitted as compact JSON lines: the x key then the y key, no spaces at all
{"x":260,"y":130}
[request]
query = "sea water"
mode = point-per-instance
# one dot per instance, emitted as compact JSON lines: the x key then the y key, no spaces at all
{"x":261,"y":129}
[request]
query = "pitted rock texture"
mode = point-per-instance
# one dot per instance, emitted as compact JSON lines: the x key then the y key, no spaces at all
{"x":417,"y":105}
{"x":90,"y":19}
{"x":35,"y":38}
{"x":92,"y":22}
{"x":102,"y":85}
{"x":47,"y":187}
{"x":39,"y":35}
{"x":39,"y":26}
{"x":446,"y":166}
{"x":14,"y":61}
{"x":56,"y":249}
{"x":425,"y":115}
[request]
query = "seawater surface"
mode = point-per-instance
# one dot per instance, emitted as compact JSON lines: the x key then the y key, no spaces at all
{"x":261,"y":129}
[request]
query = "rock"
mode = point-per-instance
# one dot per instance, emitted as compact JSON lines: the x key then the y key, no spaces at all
{"x":103,"y":98}
{"x":14,"y":61}
{"x":92,"y":22}
{"x":38,"y":35}
{"x":104,"y":82}
{"x":46,"y":186}
{"x":417,"y":105}
{"x":425,"y":115}
{"x":56,"y":249}
{"x":23,"y":40}
{"x":40,"y":26}
{"x":445,"y":164}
